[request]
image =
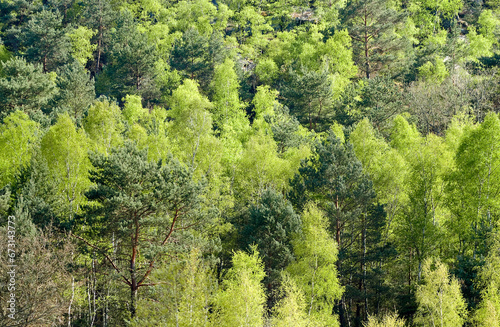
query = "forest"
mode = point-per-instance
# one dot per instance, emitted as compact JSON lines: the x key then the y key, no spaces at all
{"x":254,"y":163}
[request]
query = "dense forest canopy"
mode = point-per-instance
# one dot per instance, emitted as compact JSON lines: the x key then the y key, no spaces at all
{"x":250,"y":163}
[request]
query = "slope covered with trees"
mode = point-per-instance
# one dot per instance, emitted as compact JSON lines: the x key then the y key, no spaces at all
{"x":250,"y":163}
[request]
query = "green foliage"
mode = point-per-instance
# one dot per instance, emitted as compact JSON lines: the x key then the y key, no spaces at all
{"x":64,"y":148}
{"x":241,"y":300}
{"x":387,"y":320}
{"x":141,"y":204}
{"x":434,"y":72}
{"x":371,"y":25}
{"x":81,"y":47}
{"x":489,"y":308}
{"x":131,"y":67}
{"x":192,"y":139}
{"x":309,"y":96}
{"x":104,"y":126}
{"x":473,"y":187}
{"x":23,"y":86}
{"x":228,"y":113}
{"x":314,"y":270}
{"x":182,"y":296}
{"x":44,"y":41}
{"x":132,"y":109}
{"x":18,"y":136}
{"x":440,"y":301}
{"x":76,"y":91}
{"x":289,"y":311}
{"x":270,"y":224}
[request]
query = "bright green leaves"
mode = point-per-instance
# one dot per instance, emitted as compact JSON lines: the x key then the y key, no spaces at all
{"x":182,"y":296}
{"x":81,"y":47}
{"x":290,"y":310}
{"x":314,"y":270}
{"x":228,"y":113}
{"x":440,"y":301}
{"x":18,"y":135}
{"x":65,"y":148}
{"x":104,"y":126}
{"x":192,"y":139}
{"x":132,"y":109}
{"x":242,"y":298}
{"x":474,"y":185}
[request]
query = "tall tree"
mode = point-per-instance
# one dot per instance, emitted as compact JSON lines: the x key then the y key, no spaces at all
{"x":98,"y":15}
{"x":309,"y":96}
{"x":76,"y":90}
{"x":269,"y":224}
{"x":131,"y":63}
{"x":65,"y":150}
{"x":334,"y":177}
{"x":142,"y":204}
{"x":371,"y":25}
{"x":315,"y":268}
{"x":44,"y":40}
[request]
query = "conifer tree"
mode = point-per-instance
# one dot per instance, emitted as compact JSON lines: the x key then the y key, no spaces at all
{"x":44,"y":40}
{"x":309,"y":96}
{"x":269,"y":225}
{"x":76,"y":90}
{"x":141,"y":204}
{"x":371,"y":25}
{"x":23,"y":86}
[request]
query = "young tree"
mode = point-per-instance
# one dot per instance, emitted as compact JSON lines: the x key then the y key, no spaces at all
{"x":182,"y":295}
{"x":104,"y":126}
{"x":387,"y":320}
{"x":440,"y":302}
{"x":64,"y":148}
{"x":289,"y":311}
{"x":18,"y":135}
{"x":315,"y":268}
{"x":141,"y":205}
{"x":228,"y":111}
{"x":241,"y":301}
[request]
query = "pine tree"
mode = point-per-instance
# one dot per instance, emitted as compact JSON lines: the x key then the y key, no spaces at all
{"x":142,"y":205}
{"x":269,"y":225}
{"x":131,"y":63}
{"x":309,"y":96}
{"x":371,"y":25}
{"x":23,"y":86}
{"x":76,"y":91}
{"x":45,"y":41}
